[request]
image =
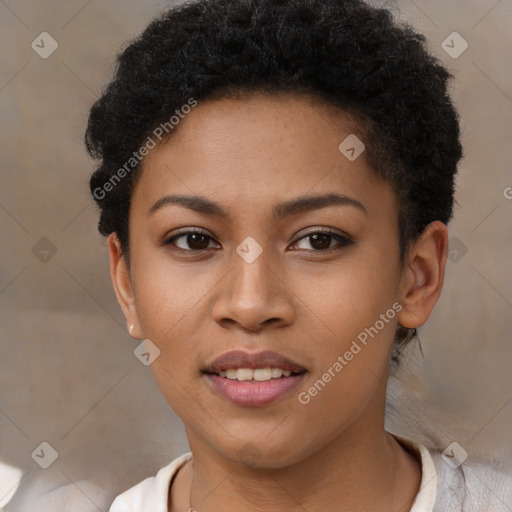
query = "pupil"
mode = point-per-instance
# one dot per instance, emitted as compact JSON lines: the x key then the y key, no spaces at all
{"x":321,"y":237}
{"x":193,"y":239}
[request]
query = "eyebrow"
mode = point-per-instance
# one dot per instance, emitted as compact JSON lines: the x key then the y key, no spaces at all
{"x":288,"y":208}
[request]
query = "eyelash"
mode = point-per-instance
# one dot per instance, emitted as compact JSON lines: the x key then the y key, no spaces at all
{"x":343,"y":241}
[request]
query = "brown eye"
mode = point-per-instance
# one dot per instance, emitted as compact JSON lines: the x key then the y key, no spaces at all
{"x":197,"y":241}
{"x":321,"y":240}
{"x":190,"y":241}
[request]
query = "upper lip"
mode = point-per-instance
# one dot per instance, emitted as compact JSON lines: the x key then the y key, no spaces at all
{"x":243,"y":359}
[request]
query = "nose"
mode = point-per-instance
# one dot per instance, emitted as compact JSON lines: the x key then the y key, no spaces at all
{"x":254,"y":296}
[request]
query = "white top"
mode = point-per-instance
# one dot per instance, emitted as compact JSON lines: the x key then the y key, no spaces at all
{"x":443,"y":487}
{"x":10,"y":477}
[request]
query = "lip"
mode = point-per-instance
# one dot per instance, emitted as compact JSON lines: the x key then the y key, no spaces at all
{"x":253,"y":393}
{"x":253,"y":360}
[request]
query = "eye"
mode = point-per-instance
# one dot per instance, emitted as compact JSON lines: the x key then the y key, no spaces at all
{"x":320,"y":240}
{"x":196,"y":239}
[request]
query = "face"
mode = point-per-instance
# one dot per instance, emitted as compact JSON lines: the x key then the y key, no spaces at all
{"x":266,"y":269}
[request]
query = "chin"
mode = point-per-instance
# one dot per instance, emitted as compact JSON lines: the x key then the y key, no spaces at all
{"x":258,"y":452}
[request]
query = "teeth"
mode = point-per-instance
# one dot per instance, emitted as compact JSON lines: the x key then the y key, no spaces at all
{"x":276,"y":373}
{"x":259,"y":374}
{"x":262,"y":374}
{"x":244,"y":374}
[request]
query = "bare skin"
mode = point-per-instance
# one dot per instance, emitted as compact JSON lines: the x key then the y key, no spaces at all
{"x":198,"y":298}
{"x":407,"y":468}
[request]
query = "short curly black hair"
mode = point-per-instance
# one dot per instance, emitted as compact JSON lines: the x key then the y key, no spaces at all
{"x":343,"y":53}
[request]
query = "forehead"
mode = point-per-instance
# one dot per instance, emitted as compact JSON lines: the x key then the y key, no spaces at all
{"x":259,"y":149}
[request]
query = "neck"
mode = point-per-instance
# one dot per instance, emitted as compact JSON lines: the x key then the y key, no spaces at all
{"x":353,"y":472}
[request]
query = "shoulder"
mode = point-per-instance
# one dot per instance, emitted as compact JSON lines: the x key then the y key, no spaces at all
{"x":151,"y":494}
{"x":452,"y":481}
{"x":472,"y":486}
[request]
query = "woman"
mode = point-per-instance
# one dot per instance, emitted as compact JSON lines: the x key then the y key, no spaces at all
{"x":275,"y":179}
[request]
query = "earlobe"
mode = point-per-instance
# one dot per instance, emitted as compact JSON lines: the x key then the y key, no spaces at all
{"x":423,"y":276}
{"x":121,"y":281}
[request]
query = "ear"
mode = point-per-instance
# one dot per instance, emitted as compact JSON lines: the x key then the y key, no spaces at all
{"x":423,"y":275}
{"x":122,"y":283}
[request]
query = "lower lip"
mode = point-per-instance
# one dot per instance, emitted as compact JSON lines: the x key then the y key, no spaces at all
{"x":255,"y":393}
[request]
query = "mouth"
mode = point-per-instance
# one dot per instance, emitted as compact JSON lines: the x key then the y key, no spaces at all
{"x":253,"y":379}
{"x":256,"y":374}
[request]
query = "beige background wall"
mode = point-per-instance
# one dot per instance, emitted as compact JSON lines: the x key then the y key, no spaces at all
{"x":67,"y":371}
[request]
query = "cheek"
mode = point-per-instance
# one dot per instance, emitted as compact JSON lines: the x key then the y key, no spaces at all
{"x":351,"y":346}
{"x":167,"y":293}
{"x":168,"y":299}
{"x":348,"y":313}
{"x":344,"y":297}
